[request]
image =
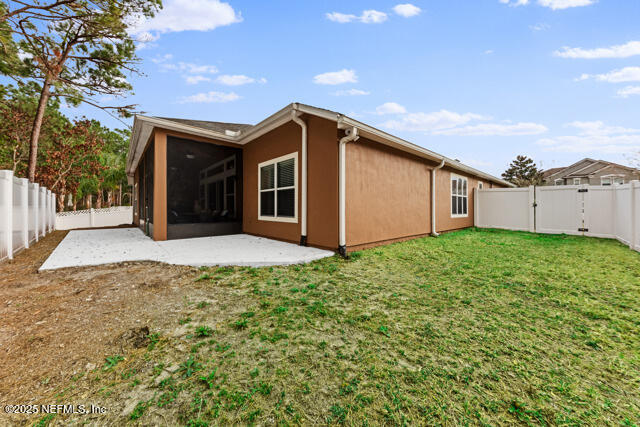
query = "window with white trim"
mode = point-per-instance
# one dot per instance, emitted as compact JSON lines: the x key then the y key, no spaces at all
{"x":480,"y":185}
{"x":459,"y":196}
{"x":278,"y":189}
{"x":618,"y":181}
{"x":558,"y":182}
{"x":605,"y":181}
{"x":576,"y":181}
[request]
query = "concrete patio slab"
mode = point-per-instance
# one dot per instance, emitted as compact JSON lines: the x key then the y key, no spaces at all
{"x":94,"y":247}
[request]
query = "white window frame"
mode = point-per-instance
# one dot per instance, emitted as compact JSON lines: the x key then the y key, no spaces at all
{"x":558,"y":180}
{"x":607,"y":178}
{"x":480,"y":187}
{"x":451,"y":195}
{"x":618,"y":183}
{"x":275,"y":217}
{"x":574,"y":181}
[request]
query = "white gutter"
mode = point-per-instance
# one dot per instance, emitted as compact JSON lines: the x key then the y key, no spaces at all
{"x":295,"y":116}
{"x":351,"y":135}
{"x":434,"y":233}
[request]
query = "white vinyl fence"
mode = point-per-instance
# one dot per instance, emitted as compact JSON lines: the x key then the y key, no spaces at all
{"x":27,"y":212}
{"x":94,"y":218}
{"x":598,"y":211}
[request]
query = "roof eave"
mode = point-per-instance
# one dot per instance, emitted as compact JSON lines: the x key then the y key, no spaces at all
{"x":278,"y":119}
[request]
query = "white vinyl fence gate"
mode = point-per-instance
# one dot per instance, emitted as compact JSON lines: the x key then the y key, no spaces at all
{"x":27,"y":212}
{"x":598,"y":211}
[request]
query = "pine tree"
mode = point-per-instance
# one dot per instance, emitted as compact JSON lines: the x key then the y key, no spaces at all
{"x":78,"y":51}
{"x":523,"y":172}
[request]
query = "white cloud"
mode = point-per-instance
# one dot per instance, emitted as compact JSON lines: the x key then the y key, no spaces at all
{"x":22,"y":55}
{"x":209,"y":97}
{"x":594,"y":137}
{"x":367,"y":17}
{"x":564,"y":4}
{"x":629,"y":91}
{"x":341,"y":18}
{"x":594,"y":128}
{"x":235,"y":80}
{"x":496,"y":129}
{"x":350,"y":92}
{"x":515,"y":2}
{"x":162,"y":59}
{"x":188,"y":68}
{"x":407,"y":10}
{"x":336,"y":77}
{"x":552,"y":4}
{"x":431,"y":122}
{"x":187,"y":15}
{"x":449,"y":123}
{"x":373,"y":17}
{"x":390,"y":108}
{"x":193,"y":80}
{"x":626,"y":74}
{"x":539,"y":27}
{"x":146,"y":37}
{"x":626,"y":50}
{"x":488,"y":52}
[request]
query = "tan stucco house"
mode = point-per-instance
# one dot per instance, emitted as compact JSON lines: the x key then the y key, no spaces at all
{"x":305,"y":175}
{"x":592,"y":172}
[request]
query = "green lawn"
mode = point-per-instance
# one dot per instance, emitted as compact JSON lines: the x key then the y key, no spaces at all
{"x":474,"y":327}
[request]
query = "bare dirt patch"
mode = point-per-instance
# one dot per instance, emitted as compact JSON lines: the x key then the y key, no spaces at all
{"x":58,"y":324}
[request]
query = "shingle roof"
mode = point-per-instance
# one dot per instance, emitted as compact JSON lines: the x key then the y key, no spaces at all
{"x":582,"y":168}
{"x":590,"y":169}
{"x":551,"y":171}
{"x":212,"y":126}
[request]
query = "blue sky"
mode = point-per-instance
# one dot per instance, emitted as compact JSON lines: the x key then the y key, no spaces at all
{"x":477,"y":80}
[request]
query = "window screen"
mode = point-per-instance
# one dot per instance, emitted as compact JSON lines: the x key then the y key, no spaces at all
{"x":278,"y":188}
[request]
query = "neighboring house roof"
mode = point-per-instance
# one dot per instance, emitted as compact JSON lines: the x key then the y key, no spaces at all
{"x":584,"y":168}
{"x":589,"y":169}
{"x":242,"y":134}
{"x":550,"y":172}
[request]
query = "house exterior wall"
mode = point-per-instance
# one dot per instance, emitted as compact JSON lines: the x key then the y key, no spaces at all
{"x":387,"y":195}
{"x":322,"y":177}
{"x":628,"y":176}
{"x":322,"y":182}
{"x":444,"y":219}
{"x":388,"y":191}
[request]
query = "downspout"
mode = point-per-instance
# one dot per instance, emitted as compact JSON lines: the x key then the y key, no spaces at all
{"x":434,"y":233}
{"x":295,"y":116}
{"x":350,"y":136}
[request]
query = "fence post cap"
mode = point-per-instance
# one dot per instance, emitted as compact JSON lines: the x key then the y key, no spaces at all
{"x":23,"y":181}
{"x":6,"y":174}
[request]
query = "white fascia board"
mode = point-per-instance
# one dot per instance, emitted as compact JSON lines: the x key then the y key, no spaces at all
{"x":267,"y":125}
